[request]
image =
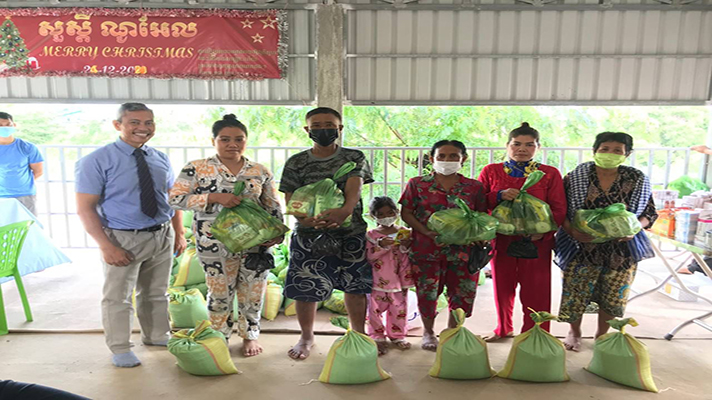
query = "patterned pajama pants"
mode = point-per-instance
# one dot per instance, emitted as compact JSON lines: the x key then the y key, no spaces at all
{"x":584,"y":284}
{"x":395,"y":305}
{"x":432,"y":277}
{"x":226,"y":279}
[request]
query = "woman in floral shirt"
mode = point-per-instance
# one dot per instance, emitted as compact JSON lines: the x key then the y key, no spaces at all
{"x":436,"y":266}
{"x":206,"y":186}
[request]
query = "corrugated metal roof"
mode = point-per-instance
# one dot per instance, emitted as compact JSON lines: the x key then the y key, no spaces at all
{"x":359,"y":3}
{"x":298,"y":87}
{"x":504,"y":57}
{"x":452,"y":52}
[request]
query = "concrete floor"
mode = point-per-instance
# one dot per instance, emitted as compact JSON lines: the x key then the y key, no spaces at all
{"x":80,"y":363}
{"x":67,"y":298}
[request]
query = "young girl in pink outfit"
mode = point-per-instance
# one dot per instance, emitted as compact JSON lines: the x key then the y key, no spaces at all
{"x":392,"y":276}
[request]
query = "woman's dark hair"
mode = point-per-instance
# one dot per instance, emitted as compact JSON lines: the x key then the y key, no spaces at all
{"x":618,"y":137}
{"x":228,"y":121}
{"x":442,"y":143}
{"x":524,"y":130}
{"x":381,"y":201}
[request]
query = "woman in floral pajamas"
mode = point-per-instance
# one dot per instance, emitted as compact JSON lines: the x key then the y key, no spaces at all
{"x":206,"y":186}
{"x":436,"y":267}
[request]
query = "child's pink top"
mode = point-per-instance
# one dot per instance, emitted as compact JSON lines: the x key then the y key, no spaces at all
{"x":391,"y":267}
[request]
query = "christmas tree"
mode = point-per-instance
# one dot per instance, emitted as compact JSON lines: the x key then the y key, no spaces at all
{"x":13,"y":52}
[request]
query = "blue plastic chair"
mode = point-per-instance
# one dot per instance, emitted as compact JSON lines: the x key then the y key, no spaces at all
{"x":11,"y":239}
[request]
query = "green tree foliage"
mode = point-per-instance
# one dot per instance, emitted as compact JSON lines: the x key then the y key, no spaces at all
{"x":405,"y":127}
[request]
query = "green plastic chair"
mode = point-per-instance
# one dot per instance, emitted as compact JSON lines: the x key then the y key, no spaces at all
{"x":11,"y":239}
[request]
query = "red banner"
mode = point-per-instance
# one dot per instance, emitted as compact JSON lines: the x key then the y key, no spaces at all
{"x":154,"y":43}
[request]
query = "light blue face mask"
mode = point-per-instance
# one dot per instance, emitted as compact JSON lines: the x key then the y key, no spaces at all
{"x":7,"y":131}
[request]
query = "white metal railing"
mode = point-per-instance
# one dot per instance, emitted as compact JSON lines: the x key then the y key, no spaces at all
{"x":393,"y":166}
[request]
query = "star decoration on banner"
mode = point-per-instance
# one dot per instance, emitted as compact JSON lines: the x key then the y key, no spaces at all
{"x":269,"y":22}
{"x":257,"y":38}
{"x":247,"y":24}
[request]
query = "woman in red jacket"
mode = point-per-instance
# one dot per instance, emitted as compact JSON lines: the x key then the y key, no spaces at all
{"x":502,"y":182}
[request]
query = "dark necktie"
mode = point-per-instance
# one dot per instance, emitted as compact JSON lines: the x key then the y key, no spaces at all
{"x":145,"y":182}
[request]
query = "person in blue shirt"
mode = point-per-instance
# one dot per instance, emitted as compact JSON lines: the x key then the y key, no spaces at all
{"x":20,"y":165}
{"x":122,"y":201}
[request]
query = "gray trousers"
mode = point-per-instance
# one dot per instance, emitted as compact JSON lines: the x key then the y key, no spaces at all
{"x":30,"y":202}
{"x":148,"y":274}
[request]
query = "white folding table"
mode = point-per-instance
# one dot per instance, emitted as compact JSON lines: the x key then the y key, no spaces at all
{"x":674,"y":278}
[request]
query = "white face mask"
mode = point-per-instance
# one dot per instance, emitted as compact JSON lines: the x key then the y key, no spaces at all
{"x":446,"y":167}
{"x":387,"y":222}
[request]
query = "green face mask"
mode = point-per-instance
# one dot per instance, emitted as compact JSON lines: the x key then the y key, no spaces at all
{"x":608,"y":160}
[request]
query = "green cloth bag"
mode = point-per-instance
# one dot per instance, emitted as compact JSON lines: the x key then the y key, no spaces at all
{"x":536,"y":355}
{"x":311,"y":200}
{"x":186,"y":308}
{"x":280,"y":253}
{"x":335,"y":302}
{"x":462,"y":225}
{"x":245,"y":225}
{"x":282,"y":277}
{"x":621,"y":358}
{"x":188,"y":219}
{"x":526,"y":214}
{"x":202,"y":287}
{"x":352,"y":359}
{"x":461,"y":354}
{"x":609,"y":223}
{"x":202,"y":351}
{"x":187,"y":270}
{"x":482,"y":279}
{"x":271,"y":301}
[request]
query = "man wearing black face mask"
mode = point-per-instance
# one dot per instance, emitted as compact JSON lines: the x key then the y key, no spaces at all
{"x":312,"y":277}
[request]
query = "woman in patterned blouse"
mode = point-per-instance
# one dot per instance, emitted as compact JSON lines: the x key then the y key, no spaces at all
{"x":602,"y":272}
{"x":206,"y":186}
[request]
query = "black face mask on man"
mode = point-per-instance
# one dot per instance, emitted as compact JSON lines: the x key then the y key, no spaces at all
{"x":324,"y":137}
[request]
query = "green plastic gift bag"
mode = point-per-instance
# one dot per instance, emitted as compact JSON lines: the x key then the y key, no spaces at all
{"x":604,"y":224}
{"x":311,"y":200}
{"x":186,"y":308}
{"x":352,"y":359}
{"x":536,"y":355}
{"x":621,"y":358}
{"x":526,"y":214}
{"x":462,"y":225}
{"x":686,"y":185}
{"x":461,"y":354}
{"x":245,"y":225}
{"x":202,"y":351}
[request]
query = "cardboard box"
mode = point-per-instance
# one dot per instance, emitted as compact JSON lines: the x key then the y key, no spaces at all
{"x":704,"y":241}
{"x":686,"y":225}
{"x":665,"y":198}
{"x":703,"y":225}
{"x":692,"y":202}
{"x":672,"y":291}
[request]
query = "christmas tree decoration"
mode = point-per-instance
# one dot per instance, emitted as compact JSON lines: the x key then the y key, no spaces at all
{"x":13,"y":52}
